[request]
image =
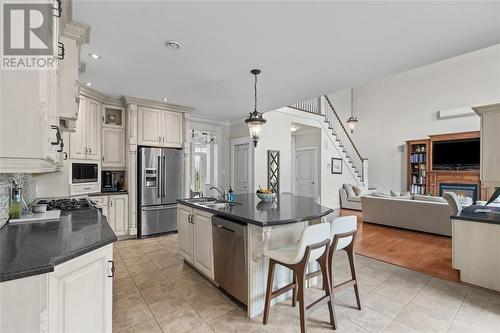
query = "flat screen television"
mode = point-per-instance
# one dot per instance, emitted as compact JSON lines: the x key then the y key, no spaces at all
{"x":456,"y":154}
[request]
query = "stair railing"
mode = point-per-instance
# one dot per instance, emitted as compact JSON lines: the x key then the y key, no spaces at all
{"x":311,"y":105}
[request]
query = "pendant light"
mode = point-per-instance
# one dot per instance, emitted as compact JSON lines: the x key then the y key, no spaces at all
{"x":255,"y":120}
{"x":352,"y":121}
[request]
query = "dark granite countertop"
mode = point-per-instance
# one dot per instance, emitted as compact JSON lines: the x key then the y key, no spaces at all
{"x":287,"y":208}
{"x":35,"y":248}
{"x":470,"y":214}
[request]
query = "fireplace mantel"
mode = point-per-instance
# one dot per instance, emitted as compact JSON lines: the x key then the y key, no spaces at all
{"x":438,"y":177}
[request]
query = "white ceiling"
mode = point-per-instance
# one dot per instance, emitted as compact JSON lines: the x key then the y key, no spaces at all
{"x":304,"y":49}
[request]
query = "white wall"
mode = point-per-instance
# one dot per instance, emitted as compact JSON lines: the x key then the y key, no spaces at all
{"x":276,"y":135}
{"x":404,"y":107}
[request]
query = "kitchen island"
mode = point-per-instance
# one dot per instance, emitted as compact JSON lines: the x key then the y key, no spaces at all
{"x":56,"y":276}
{"x":266,"y":225}
{"x":476,"y":245}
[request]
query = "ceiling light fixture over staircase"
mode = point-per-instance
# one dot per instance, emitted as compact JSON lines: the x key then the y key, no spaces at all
{"x":255,"y":120}
{"x":352,"y":121}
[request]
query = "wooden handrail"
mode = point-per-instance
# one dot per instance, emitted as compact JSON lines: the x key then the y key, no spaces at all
{"x":345,"y":131}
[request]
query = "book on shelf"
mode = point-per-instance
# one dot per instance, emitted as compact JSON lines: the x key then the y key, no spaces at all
{"x":417,"y":158}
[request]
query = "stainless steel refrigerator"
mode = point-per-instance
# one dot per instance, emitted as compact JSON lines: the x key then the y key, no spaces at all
{"x":160,"y":185}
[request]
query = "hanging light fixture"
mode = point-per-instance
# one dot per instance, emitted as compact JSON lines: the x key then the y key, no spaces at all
{"x":352,"y":121}
{"x":255,"y":120}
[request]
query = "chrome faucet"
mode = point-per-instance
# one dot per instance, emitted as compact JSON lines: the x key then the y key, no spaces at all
{"x":223,"y":192}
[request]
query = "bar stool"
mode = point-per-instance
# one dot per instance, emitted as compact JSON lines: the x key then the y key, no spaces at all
{"x":314,"y":245}
{"x":342,"y":235}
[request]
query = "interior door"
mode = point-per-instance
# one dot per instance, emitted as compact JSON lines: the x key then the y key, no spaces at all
{"x":306,"y":173}
{"x":241,"y":170}
{"x":93,"y":122}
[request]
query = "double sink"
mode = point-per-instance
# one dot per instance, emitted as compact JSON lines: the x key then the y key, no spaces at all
{"x":213,"y":203}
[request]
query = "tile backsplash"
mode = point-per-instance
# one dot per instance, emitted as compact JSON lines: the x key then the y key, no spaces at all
{"x":27,"y":183}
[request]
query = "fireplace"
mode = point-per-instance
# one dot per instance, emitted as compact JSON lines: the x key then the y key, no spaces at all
{"x":466,"y":190}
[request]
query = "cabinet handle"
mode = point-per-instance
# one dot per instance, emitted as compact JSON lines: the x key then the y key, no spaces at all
{"x":103,"y":158}
{"x":65,"y":156}
{"x":90,"y":151}
{"x":163,"y":139}
{"x":111,"y":203}
{"x":56,"y":11}
{"x":61,"y":51}
{"x":85,"y":150}
{"x":159,"y":139}
{"x":112,"y":268}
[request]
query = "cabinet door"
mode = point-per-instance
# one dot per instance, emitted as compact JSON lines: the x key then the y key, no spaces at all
{"x":490,"y":155}
{"x":118,"y":214}
{"x":149,"y":126}
{"x":185,"y":232}
{"x":93,"y":122}
{"x":171,"y":128}
{"x":203,"y":246}
{"x":113,"y":147}
{"x":80,"y":294}
{"x":77,"y":143}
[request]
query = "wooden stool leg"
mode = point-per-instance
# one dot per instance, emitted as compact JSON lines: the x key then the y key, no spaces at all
{"x":302,"y":299}
{"x":294,"y":291}
{"x":269,"y":290}
{"x":350,"y":254}
{"x":327,"y":287}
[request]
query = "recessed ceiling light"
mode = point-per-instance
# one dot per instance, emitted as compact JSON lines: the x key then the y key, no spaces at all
{"x":165,"y":99}
{"x":94,"y":56}
{"x":89,"y":84}
{"x":293,"y":128}
{"x":172,"y":44}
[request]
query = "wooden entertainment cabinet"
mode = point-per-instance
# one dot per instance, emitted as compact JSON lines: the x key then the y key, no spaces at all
{"x":423,"y":179}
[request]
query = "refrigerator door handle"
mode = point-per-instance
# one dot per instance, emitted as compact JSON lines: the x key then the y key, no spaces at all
{"x":160,"y":178}
{"x":163,"y":177}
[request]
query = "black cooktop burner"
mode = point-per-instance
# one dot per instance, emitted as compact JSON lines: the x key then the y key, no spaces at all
{"x":67,"y":204}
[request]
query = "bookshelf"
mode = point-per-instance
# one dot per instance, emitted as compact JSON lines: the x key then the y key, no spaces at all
{"x":418,"y":163}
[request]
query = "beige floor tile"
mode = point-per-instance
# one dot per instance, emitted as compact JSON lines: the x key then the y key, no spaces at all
{"x":343,"y":326}
{"x":150,"y":326}
{"x":165,"y":260}
{"x":182,"y":320}
{"x":477,"y":314}
{"x":280,"y":322}
{"x":131,"y":251}
{"x":400,"y":288}
{"x":234,"y":321}
{"x":127,"y":299}
{"x":120,"y":270}
{"x":131,"y":316}
{"x":383,"y":305}
{"x":123,"y":285}
{"x":142,"y":268}
{"x":423,"y":320}
{"x":481,"y":295}
{"x":158,"y":292}
{"x":129,"y":261}
{"x":152,"y":278}
{"x":212,"y":307}
{"x":367,"y":318}
{"x":396,"y":327}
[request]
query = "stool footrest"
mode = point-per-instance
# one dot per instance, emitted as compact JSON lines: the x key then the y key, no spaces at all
{"x":319,"y":302}
{"x":344,"y":285}
{"x":283,"y":290}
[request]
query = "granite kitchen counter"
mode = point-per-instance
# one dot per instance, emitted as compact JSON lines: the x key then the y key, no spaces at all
{"x":472,"y":214}
{"x":287,"y":208}
{"x":36,"y":248}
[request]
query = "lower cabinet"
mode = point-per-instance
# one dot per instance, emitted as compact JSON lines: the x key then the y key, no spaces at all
{"x":195,"y":238}
{"x":76,"y":297}
{"x":115,"y":208}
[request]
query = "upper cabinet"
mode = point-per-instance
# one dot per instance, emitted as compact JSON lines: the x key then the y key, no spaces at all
{"x":85,"y":141}
{"x":113,"y":137}
{"x":159,"y":128}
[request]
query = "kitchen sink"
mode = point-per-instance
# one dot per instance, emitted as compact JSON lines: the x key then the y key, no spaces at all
{"x":201,"y":200}
{"x":210,"y":202}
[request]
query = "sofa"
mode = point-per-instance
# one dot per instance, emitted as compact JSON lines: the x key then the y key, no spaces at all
{"x":349,"y":199}
{"x":420,"y":213}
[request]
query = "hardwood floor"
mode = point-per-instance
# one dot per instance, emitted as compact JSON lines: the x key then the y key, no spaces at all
{"x":426,"y":253}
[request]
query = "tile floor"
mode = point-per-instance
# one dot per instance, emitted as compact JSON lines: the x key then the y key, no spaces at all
{"x":154,"y":291}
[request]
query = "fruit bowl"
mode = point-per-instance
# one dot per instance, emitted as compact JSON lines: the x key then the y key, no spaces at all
{"x":267,"y":197}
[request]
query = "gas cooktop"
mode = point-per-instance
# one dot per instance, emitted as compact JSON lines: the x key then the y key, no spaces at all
{"x":67,"y":204}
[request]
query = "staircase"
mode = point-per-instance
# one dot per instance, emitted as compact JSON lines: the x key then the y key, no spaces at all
{"x":323,"y":106}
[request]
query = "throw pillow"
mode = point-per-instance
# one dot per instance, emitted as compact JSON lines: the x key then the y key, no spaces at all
{"x":428,"y":198}
{"x":358,"y":190}
{"x":349,"y":190}
{"x":378,"y":194}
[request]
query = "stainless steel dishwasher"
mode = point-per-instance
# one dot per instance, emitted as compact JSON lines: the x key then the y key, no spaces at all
{"x":230,"y":266}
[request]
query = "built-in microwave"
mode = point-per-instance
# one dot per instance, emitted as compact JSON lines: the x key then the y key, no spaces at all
{"x":84,"y":173}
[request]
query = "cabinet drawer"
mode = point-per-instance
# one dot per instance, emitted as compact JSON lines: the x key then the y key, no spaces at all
{"x":84,"y":188}
{"x":100,"y":201}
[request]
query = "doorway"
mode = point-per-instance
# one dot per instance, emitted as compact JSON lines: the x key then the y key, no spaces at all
{"x":241,"y":166}
{"x":306,"y":143}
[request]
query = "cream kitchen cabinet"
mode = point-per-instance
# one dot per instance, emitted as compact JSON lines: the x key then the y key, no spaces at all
{"x":195,"y":238}
{"x":490,"y":137}
{"x":113,"y":148}
{"x":115,"y":208}
{"x":85,"y":141}
{"x":75,"y":297}
{"x":159,"y":128}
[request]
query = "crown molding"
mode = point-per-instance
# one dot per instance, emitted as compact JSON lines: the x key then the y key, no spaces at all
{"x":209,"y":120}
{"x":486,"y":108}
{"x":78,"y":31}
{"x":155,"y":104}
{"x":84,"y":90}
